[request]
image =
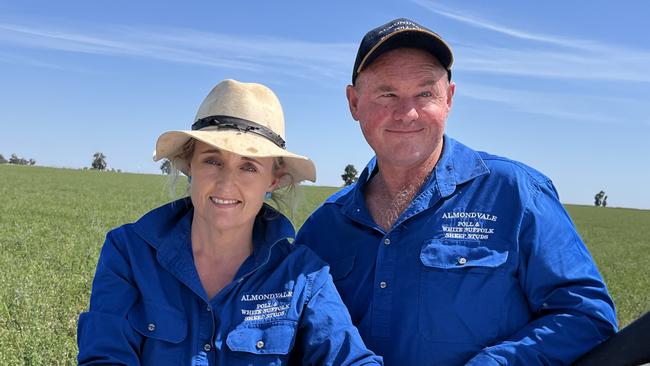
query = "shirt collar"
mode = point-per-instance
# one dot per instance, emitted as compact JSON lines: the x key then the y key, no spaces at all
{"x":168,"y":229}
{"x":457,"y":164}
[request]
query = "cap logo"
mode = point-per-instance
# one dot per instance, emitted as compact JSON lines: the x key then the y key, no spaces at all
{"x":397,"y":26}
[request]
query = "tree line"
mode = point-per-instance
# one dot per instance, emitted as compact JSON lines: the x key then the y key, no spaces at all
{"x":14,"y":159}
{"x":349,"y":175}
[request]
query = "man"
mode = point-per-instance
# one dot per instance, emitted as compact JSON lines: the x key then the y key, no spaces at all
{"x":445,"y":255}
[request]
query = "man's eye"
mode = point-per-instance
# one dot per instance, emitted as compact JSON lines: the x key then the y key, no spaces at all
{"x":388,"y":95}
{"x":426,"y":94}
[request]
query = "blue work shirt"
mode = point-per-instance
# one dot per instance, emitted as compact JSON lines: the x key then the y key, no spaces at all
{"x":484,"y":267}
{"x":148,"y":305}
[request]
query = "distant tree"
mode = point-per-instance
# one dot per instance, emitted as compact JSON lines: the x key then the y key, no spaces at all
{"x":598,"y":198}
{"x":99,"y":161}
{"x":32,"y":162}
{"x":3,"y":160}
{"x":349,"y":175}
{"x":604,"y":203}
{"x":14,"y":159}
{"x":166,"y":167}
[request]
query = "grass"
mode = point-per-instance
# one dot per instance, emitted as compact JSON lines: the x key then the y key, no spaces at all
{"x":618,"y":239}
{"x":53,"y":223}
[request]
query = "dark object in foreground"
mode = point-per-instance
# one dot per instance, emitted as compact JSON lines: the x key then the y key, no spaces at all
{"x":630,"y":346}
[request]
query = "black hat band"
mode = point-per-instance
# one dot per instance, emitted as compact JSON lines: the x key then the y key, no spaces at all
{"x":240,"y":124}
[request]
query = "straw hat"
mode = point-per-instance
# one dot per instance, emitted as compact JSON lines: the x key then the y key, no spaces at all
{"x":243,"y":118}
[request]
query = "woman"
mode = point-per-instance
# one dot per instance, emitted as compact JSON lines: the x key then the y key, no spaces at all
{"x":213,"y":279}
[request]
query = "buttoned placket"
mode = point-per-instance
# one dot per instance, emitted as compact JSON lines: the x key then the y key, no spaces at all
{"x":386,"y":261}
{"x":382,"y":288}
{"x":206,"y":329}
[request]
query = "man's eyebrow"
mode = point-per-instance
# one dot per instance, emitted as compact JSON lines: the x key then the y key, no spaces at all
{"x":387,"y":88}
{"x":427,"y":83}
{"x":384,"y":88}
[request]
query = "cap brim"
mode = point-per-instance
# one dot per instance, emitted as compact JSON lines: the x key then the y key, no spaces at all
{"x":246,"y":144}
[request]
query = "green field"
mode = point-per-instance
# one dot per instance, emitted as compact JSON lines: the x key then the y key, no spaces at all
{"x":53,"y":222}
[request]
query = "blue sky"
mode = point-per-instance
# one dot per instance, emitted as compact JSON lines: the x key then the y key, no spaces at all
{"x":561,"y":86}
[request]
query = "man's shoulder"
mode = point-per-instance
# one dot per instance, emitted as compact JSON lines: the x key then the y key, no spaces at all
{"x":339,"y":196}
{"x":334,"y":202}
{"x":325,"y":216}
{"x":502,"y":167}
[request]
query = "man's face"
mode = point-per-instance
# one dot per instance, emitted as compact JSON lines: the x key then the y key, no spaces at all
{"x":401,"y":102}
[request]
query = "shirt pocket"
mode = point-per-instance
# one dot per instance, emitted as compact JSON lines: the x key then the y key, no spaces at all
{"x":464,"y":255}
{"x":164,"y":329}
{"x":341,"y":268}
{"x":262,"y":344}
{"x":462,"y":290}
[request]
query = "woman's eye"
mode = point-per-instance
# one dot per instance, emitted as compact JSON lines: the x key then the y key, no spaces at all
{"x":213,"y":162}
{"x":249,"y":168}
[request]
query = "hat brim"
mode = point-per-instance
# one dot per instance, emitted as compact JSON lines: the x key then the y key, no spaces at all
{"x":246,"y":144}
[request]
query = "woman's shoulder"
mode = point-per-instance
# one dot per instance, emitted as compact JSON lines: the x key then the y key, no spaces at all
{"x":157,"y":223}
{"x":302,"y":260}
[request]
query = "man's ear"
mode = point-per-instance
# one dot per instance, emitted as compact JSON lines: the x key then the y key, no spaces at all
{"x":353,"y":101}
{"x":450,"y":94}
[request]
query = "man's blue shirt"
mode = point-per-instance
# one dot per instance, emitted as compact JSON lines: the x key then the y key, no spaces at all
{"x":148,"y":305}
{"x":484,"y":267}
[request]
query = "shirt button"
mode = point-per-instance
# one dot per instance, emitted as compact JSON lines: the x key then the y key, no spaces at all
{"x":207,"y":347}
{"x":259,"y":344}
{"x":383,"y":284}
{"x":386,"y":241}
{"x":462,"y":260}
{"x":208,"y":308}
{"x":151,"y":327}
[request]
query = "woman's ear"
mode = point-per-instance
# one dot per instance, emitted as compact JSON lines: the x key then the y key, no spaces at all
{"x":274,"y":184}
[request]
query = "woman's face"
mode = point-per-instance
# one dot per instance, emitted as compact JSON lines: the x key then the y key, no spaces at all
{"x":228,"y":190}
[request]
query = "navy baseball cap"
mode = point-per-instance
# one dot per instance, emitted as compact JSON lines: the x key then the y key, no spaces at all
{"x":401,"y":33}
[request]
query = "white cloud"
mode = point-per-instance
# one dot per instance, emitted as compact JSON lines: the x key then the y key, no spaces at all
{"x":253,"y":53}
{"x":565,"y":106}
{"x":500,"y":28}
{"x":23,"y":60}
{"x":544,"y":55}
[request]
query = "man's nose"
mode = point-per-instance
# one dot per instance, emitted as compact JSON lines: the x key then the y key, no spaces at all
{"x":406,"y":110}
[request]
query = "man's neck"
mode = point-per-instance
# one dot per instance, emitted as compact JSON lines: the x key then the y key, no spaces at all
{"x":391,"y":191}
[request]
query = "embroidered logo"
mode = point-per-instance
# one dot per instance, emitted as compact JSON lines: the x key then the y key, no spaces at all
{"x":266,"y":306}
{"x":468,"y":225}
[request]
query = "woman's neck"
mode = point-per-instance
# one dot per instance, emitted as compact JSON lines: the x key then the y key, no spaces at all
{"x":218,"y":244}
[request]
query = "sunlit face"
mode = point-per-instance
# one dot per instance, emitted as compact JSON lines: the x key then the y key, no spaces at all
{"x":402,"y":101}
{"x":227,"y":189}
